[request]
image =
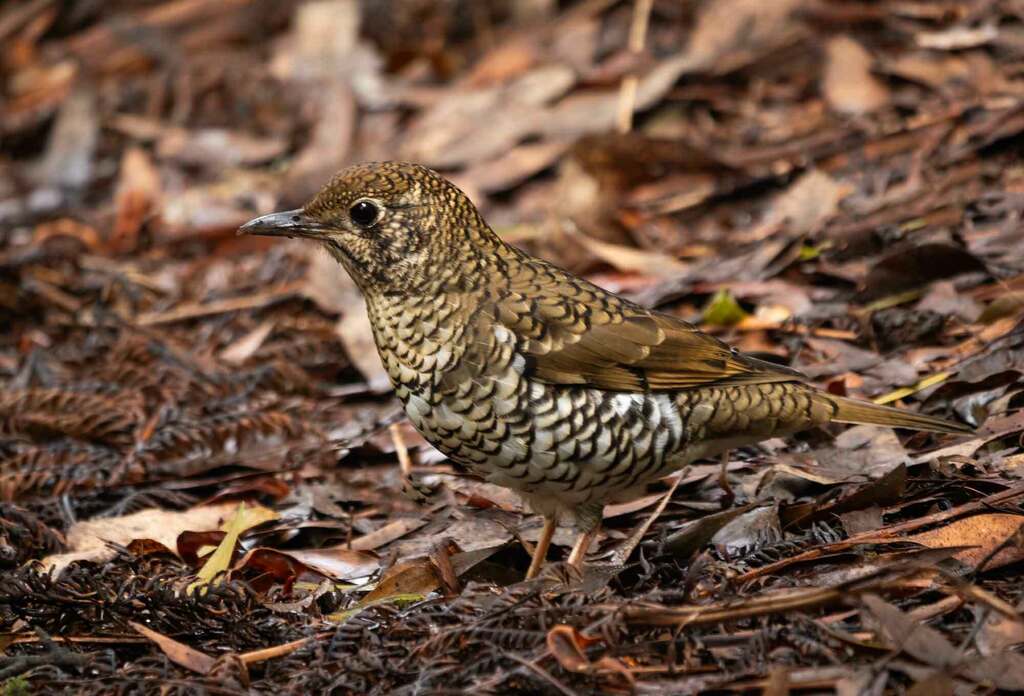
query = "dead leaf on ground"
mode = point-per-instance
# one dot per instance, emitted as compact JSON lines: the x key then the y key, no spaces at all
{"x":806,"y":205}
{"x":332,"y":289}
{"x":178,"y":653}
{"x":217,"y":147}
{"x":568,"y":646}
{"x":136,"y":198}
{"x":1000,"y":633}
{"x":958,"y":37}
{"x":916,"y":266}
{"x":396,"y":529}
{"x":926,"y":644}
{"x":848,"y":85}
{"x":244,"y":348}
{"x":697,"y":534}
{"x":244,"y":518}
{"x":631,"y":259}
{"x":860,"y":511}
{"x":419,"y":576}
{"x":730,"y":32}
{"x":338,"y":563}
{"x":87,"y":541}
{"x":479,"y":124}
{"x":984,"y":532}
{"x":71,"y":149}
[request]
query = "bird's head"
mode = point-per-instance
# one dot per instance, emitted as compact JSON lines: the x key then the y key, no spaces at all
{"x":396,"y":227}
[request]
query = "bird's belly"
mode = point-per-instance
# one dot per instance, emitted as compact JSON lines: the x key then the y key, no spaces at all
{"x":573,"y":444}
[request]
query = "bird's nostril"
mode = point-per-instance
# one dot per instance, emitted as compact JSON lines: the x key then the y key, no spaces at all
{"x":295,"y":218}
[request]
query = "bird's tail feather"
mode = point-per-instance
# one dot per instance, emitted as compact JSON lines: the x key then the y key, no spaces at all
{"x":853,"y":411}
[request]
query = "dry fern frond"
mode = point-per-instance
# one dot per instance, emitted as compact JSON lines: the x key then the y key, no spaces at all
{"x":214,"y":434}
{"x":43,"y":414}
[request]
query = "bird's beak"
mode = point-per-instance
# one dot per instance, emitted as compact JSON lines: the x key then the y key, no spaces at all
{"x":289,"y":223}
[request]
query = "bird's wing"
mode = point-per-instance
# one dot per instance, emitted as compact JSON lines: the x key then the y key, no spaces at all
{"x":577,"y":333}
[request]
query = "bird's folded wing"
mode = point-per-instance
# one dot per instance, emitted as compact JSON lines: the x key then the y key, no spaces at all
{"x":626,"y":348}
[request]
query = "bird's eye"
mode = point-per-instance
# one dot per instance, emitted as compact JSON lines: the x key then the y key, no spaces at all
{"x":364,"y":213}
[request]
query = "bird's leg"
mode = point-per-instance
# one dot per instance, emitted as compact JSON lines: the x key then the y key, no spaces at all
{"x":540,"y":551}
{"x":579,"y":549}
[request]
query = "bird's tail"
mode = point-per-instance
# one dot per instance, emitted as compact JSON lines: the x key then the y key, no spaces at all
{"x":853,"y":411}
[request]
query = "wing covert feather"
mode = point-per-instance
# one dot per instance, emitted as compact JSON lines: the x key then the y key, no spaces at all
{"x":577,"y":333}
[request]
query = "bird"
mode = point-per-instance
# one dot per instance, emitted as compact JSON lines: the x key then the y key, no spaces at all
{"x":536,"y":379}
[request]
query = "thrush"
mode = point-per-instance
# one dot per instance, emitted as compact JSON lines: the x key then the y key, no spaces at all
{"x":532,"y":377}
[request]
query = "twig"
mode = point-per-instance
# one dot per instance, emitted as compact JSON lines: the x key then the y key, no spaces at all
{"x":637,"y":38}
{"x":55,"y":655}
{"x":622,"y":554}
{"x":194,"y":310}
{"x":256,"y":656}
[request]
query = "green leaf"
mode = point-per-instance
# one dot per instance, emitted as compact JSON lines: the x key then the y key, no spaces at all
{"x":723,"y":310}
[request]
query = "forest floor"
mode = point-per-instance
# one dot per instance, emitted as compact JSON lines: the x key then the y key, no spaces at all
{"x":207,"y":486}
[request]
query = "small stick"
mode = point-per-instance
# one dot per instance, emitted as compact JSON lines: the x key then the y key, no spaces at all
{"x":630,"y":83}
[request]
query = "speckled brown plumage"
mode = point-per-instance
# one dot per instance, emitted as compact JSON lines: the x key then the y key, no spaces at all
{"x":533,"y":377}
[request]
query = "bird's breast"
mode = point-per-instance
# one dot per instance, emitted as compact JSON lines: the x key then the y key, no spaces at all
{"x":485,"y":410}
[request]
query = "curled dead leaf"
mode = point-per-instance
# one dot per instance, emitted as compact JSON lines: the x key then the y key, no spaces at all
{"x":567,"y":645}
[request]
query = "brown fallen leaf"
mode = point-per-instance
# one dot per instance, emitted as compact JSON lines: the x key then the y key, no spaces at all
{"x":631,"y":259}
{"x":191,"y":544}
{"x":391,"y":531}
{"x":218,"y":207}
{"x":885,"y":490}
{"x":473,"y":125}
{"x":329,"y":143}
{"x":728,"y":33}
{"x":332,"y":289}
{"x":914,"y":267}
{"x":66,"y":227}
{"x":928,"y":645}
{"x":694,"y":536}
{"x":88,"y":540}
{"x":847,"y":82}
{"x":71,"y":148}
{"x":217,"y":147}
{"x":504,"y":61}
{"x":804,"y":207}
{"x":243,"y":348}
{"x":515,"y":166}
{"x":567,"y":645}
{"x":1000,"y":633}
{"x":178,"y":653}
{"x":286,"y":565}
{"x":958,"y":37}
{"x":337,"y":562}
{"x":420,"y":576}
{"x":136,"y":198}
{"x":983,"y":532}
{"x":935,"y":684}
